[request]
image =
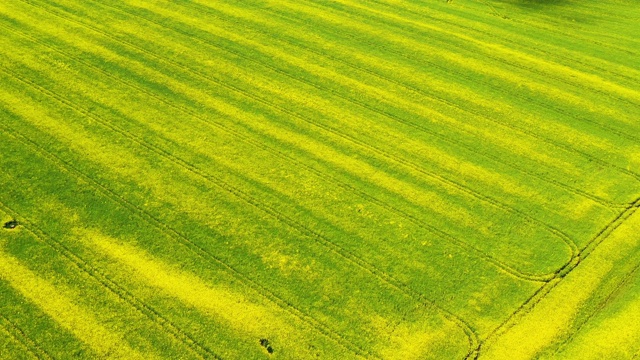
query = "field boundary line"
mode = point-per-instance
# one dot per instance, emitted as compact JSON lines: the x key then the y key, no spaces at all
{"x":612,"y":226}
{"x":558,"y":233}
{"x":372,"y":199}
{"x":411,"y":124}
{"x":106,"y":283}
{"x":546,"y":288}
{"x":19,"y":336}
{"x":190,"y":245}
{"x":601,"y":305}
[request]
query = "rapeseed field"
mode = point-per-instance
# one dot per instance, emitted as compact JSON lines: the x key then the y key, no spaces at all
{"x":319,"y":179}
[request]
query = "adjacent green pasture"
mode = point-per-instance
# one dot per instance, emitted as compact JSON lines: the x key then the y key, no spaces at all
{"x":322,"y":179}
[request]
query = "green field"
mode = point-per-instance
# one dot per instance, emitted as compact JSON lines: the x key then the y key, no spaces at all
{"x":320,"y":179}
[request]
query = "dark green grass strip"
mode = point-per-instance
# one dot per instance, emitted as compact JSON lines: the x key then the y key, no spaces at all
{"x":90,"y":180}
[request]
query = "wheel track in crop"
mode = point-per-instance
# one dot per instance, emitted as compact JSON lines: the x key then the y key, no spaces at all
{"x":394,"y":117}
{"x":190,"y":245}
{"x":250,"y":200}
{"x":545,"y":289}
{"x":416,"y":126}
{"x":618,"y":224}
{"x":601,"y":305}
{"x":361,"y":144}
{"x":109,"y":285}
{"x":302,"y":229}
{"x":516,"y":94}
{"x":365,"y":196}
{"x":395,"y":24}
{"x":558,"y":233}
{"x":506,"y":37}
{"x":19,"y":336}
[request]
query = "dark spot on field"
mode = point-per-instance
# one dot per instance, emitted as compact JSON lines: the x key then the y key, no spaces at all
{"x":265,"y":344}
{"x":11,"y":224}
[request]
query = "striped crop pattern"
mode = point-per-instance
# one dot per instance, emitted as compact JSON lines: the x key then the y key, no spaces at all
{"x":331,"y":179}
